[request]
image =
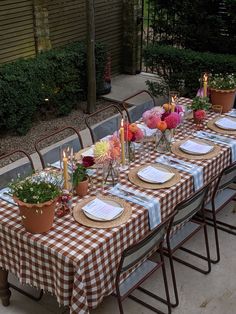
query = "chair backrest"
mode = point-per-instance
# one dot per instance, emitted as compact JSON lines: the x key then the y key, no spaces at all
{"x":69,"y":137}
{"x":189,"y":207}
{"x":144,"y":101}
{"x":107,"y":126}
{"x":227,"y":176}
{"x":137,"y":252}
{"x":15,"y":166}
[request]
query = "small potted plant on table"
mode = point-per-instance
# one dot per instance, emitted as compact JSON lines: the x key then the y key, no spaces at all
{"x":199,"y":106}
{"x":80,"y":176}
{"x":223,"y":88}
{"x":36,"y":197}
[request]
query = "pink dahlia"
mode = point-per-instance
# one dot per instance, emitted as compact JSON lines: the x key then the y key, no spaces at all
{"x":138,"y":134}
{"x":172,"y":120}
{"x":178,"y":109}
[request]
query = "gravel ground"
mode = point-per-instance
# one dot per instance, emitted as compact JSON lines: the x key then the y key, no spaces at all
{"x":39,"y":129}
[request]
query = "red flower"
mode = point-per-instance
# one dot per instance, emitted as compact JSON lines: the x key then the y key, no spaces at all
{"x":88,"y":161}
{"x":200,"y":114}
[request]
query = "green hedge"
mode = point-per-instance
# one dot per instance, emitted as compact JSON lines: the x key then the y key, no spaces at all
{"x":181,"y":69}
{"x":58,"y":75}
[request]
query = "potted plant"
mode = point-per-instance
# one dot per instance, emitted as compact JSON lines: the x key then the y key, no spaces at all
{"x":199,"y":106}
{"x":80,"y":176}
{"x":223,"y":87}
{"x":36,"y":197}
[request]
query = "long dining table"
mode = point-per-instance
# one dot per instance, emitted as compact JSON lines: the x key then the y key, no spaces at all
{"x":78,"y":264}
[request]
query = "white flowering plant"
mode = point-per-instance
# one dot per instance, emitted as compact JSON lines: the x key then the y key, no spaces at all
{"x":37,"y":188}
{"x":222,"y":81}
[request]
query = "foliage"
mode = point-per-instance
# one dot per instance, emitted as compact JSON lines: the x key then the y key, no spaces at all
{"x":36,"y":189}
{"x":223,"y":81}
{"x":79,"y":174}
{"x":52,"y":83}
{"x":200,"y":103}
{"x":199,"y":25}
{"x":180,"y":69}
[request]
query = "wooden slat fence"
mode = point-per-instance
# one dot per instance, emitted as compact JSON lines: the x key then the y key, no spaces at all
{"x":67,"y":23}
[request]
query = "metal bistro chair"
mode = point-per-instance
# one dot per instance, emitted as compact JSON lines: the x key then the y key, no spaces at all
{"x":107,"y":126}
{"x":135,"y":255}
{"x":52,"y":153}
{"x":135,"y":112}
{"x":16,"y":168}
{"x":223,"y":193}
{"x":176,"y":238}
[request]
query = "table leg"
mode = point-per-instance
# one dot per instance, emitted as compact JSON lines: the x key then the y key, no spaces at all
{"x":5,"y":293}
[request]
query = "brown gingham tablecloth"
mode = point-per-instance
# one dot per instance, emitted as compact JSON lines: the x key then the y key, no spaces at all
{"x":78,"y":264}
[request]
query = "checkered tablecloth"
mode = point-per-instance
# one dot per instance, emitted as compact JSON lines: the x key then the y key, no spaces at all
{"x":78,"y":264}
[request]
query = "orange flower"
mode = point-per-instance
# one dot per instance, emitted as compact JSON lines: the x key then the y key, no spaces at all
{"x":162,"y":126}
{"x":167,"y":107}
{"x":133,"y":127}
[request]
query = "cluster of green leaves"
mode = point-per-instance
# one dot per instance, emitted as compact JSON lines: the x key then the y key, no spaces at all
{"x":197,"y":25}
{"x":53,"y":82}
{"x":223,"y":81}
{"x":79,"y":174}
{"x":200,"y":103}
{"x":180,"y":69}
{"x":36,"y":189}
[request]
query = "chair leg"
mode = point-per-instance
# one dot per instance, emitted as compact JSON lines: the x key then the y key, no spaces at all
{"x":165,"y":281}
{"x":176,"y":303}
{"x":120,"y":304}
{"x":217,"y":245}
{"x":207,"y":257}
{"x":38,"y":298}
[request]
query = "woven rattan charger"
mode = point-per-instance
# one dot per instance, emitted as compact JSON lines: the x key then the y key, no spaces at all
{"x":81,"y":218}
{"x":175,"y":148}
{"x":211,"y":125}
{"x":133,"y":177}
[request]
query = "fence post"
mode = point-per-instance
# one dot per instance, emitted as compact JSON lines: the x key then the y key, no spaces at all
{"x":132,"y":14}
{"x":41,"y":26}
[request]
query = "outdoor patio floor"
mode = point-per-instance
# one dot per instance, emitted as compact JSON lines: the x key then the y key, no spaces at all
{"x":199,"y":294}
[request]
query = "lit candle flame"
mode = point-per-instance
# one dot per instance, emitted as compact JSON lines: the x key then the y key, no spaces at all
{"x":122,"y":123}
{"x":205,"y":77}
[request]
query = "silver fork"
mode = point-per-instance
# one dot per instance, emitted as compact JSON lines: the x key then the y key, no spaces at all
{"x":174,"y":162}
{"x":138,"y":197}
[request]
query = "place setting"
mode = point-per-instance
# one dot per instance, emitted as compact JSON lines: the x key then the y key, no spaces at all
{"x":224,"y":125}
{"x":102,"y":212}
{"x":154,"y":176}
{"x":195,"y":149}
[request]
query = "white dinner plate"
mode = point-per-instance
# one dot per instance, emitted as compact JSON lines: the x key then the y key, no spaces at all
{"x":100,"y":219}
{"x":196,"y":153}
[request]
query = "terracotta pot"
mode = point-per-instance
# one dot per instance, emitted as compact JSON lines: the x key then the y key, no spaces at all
{"x":196,"y":120}
{"x":37,"y":218}
{"x":223,"y":98}
{"x":82,"y":188}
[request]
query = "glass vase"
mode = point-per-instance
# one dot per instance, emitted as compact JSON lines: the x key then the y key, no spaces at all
{"x":111,"y":173}
{"x":131,"y":151}
{"x":163,"y":141}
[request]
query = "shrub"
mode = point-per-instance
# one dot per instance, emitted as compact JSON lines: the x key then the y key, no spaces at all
{"x":181,"y":69}
{"x":58,"y":75}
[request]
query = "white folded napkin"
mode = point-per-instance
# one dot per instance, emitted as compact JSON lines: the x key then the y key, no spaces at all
{"x":146,"y":130}
{"x":231,"y":113}
{"x":151,"y":203}
{"x":102,"y":210}
{"x":154,"y":175}
{"x":88,"y":152}
{"x":226,"y":123}
{"x":196,"y":148}
{"x":219,"y":139}
{"x":195,"y":170}
{"x":4,"y":195}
